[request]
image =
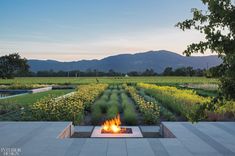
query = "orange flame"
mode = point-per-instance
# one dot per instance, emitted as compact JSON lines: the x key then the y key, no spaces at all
{"x":112,"y":125}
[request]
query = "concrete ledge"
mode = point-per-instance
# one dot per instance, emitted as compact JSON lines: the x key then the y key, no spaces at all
{"x":65,"y":96}
{"x":67,"y":132}
{"x":20,"y":92}
{"x":165,"y":132}
{"x":150,"y":131}
{"x":82,"y":131}
{"x":7,"y":97}
{"x":38,"y":90}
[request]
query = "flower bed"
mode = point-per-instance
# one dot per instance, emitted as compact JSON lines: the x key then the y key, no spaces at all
{"x":150,"y":111}
{"x":68,"y":108}
{"x":183,"y":102}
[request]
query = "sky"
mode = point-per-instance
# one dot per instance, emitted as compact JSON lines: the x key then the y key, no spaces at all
{"x":67,"y":30}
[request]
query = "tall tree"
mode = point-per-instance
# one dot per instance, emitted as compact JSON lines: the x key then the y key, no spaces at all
{"x":11,"y":65}
{"x":168,"y":71}
{"x":217,"y":23}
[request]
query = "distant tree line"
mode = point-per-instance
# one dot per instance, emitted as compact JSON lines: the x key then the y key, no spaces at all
{"x":87,"y":73}
{"x":169,"y":71}
{"x":184,"y":71}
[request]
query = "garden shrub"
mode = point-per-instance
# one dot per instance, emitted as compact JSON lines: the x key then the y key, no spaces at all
{"x":69,"y":108}
{"x":184,"y":102}
{"x":96,"y":114}
{"x":150,"y":111}
{"x":130,"y":116}
{"x":65,"y":109}
{"x":112,"y":111}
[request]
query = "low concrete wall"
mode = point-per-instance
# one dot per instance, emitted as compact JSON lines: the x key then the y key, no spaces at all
{"x":38,"y":90}
{"x":165,"y":132}
{"x":13,"y":95}
{"x":65,"y":96}
{"x":67,"y":132}
{"x":23,"y":91}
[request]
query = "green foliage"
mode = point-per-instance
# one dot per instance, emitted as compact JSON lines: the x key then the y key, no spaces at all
{"x":183,"y":102}
{"x":217,"y":24}
{"x":227,"y":107}
{"x":105,"y":97}
{"x":130,"y":117}
{"x":69,"y":108}
{"x":149,"y":110}
{"x":114,"y":96}
{"x":12,"y":64}
{"x":228,"y":87}
{"x":129,"y":114}
{"x":183,"y":71}
{"x":164,"y":113}
{"x":216,"y":71}
{"x":21,"y":86}
{"x":96,"y":114}
{"x":103,"y":105}
{"x":109,"y":80}
{"x":65,"y":109}
{"x":9,"y":107}
{"x":112,"y":111}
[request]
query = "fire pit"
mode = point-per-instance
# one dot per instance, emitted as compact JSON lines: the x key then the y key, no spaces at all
{"x":112,"y":128}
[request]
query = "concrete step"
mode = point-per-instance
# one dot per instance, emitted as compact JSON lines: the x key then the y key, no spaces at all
{"x":150,"y":131}
{"x":82,"y":131}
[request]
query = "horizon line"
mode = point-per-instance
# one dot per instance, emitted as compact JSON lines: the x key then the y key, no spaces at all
{"x":129,"y":53}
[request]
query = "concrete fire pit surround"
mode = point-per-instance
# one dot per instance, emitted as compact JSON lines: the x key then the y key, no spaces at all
{"x":136,"y":133}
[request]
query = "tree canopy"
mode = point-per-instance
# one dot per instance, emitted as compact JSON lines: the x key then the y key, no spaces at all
{"x":217,"y":23}
{"x":11,"y":65}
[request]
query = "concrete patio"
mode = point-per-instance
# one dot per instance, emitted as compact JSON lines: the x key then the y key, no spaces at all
{"x":51,"y":138}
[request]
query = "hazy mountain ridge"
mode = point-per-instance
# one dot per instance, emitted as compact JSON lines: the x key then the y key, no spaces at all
{"x":157,"y":60}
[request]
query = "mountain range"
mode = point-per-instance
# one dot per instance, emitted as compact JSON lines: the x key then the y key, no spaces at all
{"x":156,"y":60}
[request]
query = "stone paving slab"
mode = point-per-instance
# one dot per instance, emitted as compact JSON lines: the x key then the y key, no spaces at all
{"x":192,"y":142}
{"x":226,"y":127}
{"x":174,"y":147}
{"x":225,"y":142}
{"x":150,"y":129}
{"x":117,"y":147}
{"x":139,"y":147}
{"x":40,"y":139}
{"x":76,"y":146}
{"x":94,"y":147}
{"x":83,"y":128}
{"x":158,"y":147}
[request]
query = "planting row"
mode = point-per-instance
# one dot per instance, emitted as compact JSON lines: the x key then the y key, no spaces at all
{"x":114,"y":101}
{"x":149,"y":110}
{"x":184,"y":102}
{"x":165,"y":114}
{"x":69,"y":108}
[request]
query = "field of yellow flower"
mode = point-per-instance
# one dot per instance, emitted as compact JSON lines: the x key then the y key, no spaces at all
{"x":150,"y":111}
{"x":69,"y":108}
{"x":184,"y":102}
{"x":89,"y":93}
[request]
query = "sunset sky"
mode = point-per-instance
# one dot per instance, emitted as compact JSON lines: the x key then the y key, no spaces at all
{"x":68,"y":30}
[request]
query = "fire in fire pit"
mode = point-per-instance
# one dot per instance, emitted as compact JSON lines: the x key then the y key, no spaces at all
{"x":114,"y":126}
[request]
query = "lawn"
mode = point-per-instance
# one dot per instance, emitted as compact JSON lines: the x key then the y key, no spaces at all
{"x":28,"y":99}
{"x":87,"y":80}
